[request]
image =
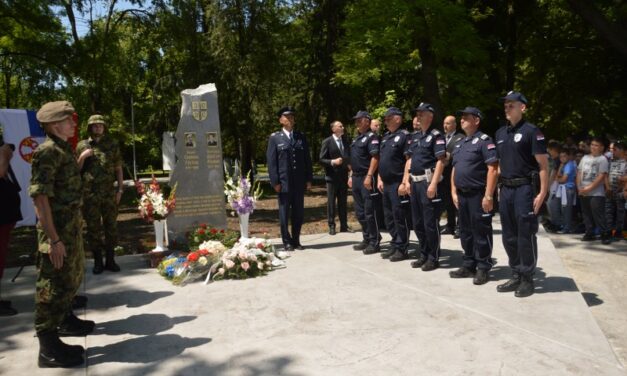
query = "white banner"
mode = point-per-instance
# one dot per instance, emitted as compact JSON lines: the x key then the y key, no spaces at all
{"x":21,"y":128}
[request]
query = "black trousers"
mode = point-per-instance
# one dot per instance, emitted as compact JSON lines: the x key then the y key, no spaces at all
{"x":291,"y":206}
{"x":396,"y":220}
{"x":475,"y":228}
{"x":365,"y":211}
{"x":519,"y":226}
{"x":336,"y":197}
{"x":426,"y":217}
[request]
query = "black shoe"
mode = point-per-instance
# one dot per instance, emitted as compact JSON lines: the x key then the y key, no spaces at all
{"x":347,"y":229}
{"x":525,"y":288}
{"x":299,"y":247}
{"x":606,"y":237}
{"x":398,"y":256}
{"x":447,"y":231}
{"x":456,"y":234}
{"x":588,"y":238}
{"x":7,"y":311}
{"x":331,"y":230}
{"x":481,"y":277}
{"x":462,"y":272}
{"x":430,"y":265}
{"x":53,"y":353}
{"x":386,"y":255}
{"x":72,"y":326}
{"x":360,"y":246}
{"x":418,"y":263}
{"x":510,"y":285}
{"x":80,"y":301}
{"x":371,"y":249}
{"x":288,"y":247}
{"x":98,"y":265}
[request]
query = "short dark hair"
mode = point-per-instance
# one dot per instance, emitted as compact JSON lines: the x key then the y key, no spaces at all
{"x":553,"y":144}
{"x":599,"y":140}
{"x":620,"y":145}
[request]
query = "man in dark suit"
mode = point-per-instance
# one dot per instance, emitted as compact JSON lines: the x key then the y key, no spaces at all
{"x":290,"y":170}
{"x":335,"y":155}
{"x":452,"y":137}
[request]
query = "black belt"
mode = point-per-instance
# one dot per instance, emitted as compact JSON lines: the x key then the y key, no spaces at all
{"x":515,"y":182}
{"x":470,"y":190}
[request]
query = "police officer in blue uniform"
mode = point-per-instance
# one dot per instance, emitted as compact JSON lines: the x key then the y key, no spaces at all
{"x":364,"y":164}
{"x":423,"y":173}
{"x":473,"y":180}
{"x":523,"y":165}
{"x":290,"y":170}
{"x":391,"y":169}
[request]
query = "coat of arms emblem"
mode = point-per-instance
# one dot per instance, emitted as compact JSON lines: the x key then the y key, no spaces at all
{"x":199,"y":110}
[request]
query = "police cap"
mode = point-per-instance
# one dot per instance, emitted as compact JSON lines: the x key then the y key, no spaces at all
{"x":514,"y":96}
{"x":362,"y":114}
{"x":424,"y":107}
{"x":287,"y":110}
{"x":55,"y":111}
{"x":393,"y":111}
{"x":96,"y":119}
{"x":472,"y":111}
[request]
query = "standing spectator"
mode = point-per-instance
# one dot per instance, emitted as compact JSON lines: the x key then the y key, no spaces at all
{"x":364,"y":164}
{"x":334,"y":156}
{"x":100,"y":162}
{"x":615,"y":204}
{"x":452,"y":137}
{"x":290,"y":170}
{"x":591,"y":175}
{"x":566,"y":191}
{"x":9,"y":215}
{"x":56,"y":189}
{"x":553,"y":204}
{"x":521,"y":150}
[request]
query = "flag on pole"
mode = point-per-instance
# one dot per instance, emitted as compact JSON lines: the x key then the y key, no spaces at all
{"x":21,"y":128}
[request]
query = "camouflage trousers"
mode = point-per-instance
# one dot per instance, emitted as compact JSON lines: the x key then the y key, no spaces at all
{"x":56,"y":288}
{"x":100,"y":212}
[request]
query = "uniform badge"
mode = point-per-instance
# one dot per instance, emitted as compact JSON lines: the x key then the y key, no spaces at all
{"x":440,"y":142}
{"x":428,"y":139}
{"x":375,"y":142}
{"x":474,"y":141}
{"x":491,"y":146}
{"x":539,"y":136}
{"x":397,"y":138}
{"x":484,"y":136}
{"x":199,"y":110}
{"x":363,"y":140}
{"x":517,"y":137}
{"x":499,"y":142}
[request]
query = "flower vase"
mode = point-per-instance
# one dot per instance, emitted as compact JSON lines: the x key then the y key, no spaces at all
{"x":160,"y":235}
{"x":243,"y":225}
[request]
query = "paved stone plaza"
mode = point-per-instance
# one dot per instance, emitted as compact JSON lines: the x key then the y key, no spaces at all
{"x":332,"y":311}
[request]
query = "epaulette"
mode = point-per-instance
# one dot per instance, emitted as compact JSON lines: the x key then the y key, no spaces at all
{"x":484,"y":136}
{"x":404,"y":131}
{"x":370,"y":134}
{"x":276,"y":133}
{"x":435,"y":132}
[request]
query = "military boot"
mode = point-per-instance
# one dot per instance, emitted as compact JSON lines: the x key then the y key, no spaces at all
{"x":110,"y":264}
{"x":510,"y":285}
{"x":526,"y":287}
{"x":54,"y":353}
{"x":98,"y":266}
{"x":72,"y":326}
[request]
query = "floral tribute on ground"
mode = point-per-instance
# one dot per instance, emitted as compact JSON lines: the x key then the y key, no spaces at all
{"x":212,"y":259}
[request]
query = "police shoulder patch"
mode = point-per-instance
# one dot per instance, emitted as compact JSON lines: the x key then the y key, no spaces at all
{"x":435,"y":132}
{"x":404,"y":131}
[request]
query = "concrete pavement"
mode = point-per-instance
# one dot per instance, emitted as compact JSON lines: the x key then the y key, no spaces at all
{"x":332,"y":311}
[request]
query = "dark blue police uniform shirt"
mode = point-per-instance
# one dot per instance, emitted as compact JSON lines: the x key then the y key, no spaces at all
{"x":425,"y":148}
{"x":471,"y":156}
{"x":392,"y":155}
{"x":289,"y":163}
{"x":516,"y":148}
{"x":363,"y":148}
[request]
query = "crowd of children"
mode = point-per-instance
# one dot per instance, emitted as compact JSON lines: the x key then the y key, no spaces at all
{"x":588,"y":189}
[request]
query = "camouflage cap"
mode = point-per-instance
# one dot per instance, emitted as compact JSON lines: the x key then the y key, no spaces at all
{"x":96,"y":119}
{"x":55,"y":111}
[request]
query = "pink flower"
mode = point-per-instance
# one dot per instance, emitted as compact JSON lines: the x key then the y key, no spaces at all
{"x":242,"y":256}
{"x":228,"y":264}
{"x":260,"y":245}
{"x":245,"y":265}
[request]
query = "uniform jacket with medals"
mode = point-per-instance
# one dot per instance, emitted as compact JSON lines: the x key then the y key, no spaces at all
{"x":289,"y":162}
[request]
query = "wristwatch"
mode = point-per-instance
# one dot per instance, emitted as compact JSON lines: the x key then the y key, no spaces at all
{"x":489,"y":198}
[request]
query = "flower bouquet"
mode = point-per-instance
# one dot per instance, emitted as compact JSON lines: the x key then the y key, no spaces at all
{"x":248,"y":258}
{"x":204,"y":233}
{"x":152,"y":205}
{"x":238,"y":195}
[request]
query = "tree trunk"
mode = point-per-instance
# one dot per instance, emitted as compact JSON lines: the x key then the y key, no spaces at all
{"x":428,"y":73}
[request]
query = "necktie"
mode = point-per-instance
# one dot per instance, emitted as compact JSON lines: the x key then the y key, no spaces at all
{"x":291,"y":138}
{"x":339,"y":145}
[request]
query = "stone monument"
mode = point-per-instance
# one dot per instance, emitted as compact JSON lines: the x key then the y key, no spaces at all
{"x":198,"y":169}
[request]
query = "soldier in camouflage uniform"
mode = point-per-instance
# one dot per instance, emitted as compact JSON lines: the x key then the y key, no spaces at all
{"x":56,"y":190}
{"x":100,"y":167}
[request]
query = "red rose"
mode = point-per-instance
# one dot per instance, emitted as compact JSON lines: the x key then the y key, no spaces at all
{"x":203,"y":252}
{"x":260,"y":245}
{"x":203,"y":225}
{"x":221,"y":231}
{"x":201,"y":232}
{"x":193,"y":257}
{"x":214,"y":231}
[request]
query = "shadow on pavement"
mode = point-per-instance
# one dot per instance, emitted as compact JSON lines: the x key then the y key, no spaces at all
{"x":151,"y":348}
{"x":330,"y":245}
{"x":591,"y":299}
{"x":129,"y":298}
{"x":144,"y":324}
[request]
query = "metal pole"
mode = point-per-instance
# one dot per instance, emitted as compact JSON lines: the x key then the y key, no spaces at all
{"x":133,"y":131}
